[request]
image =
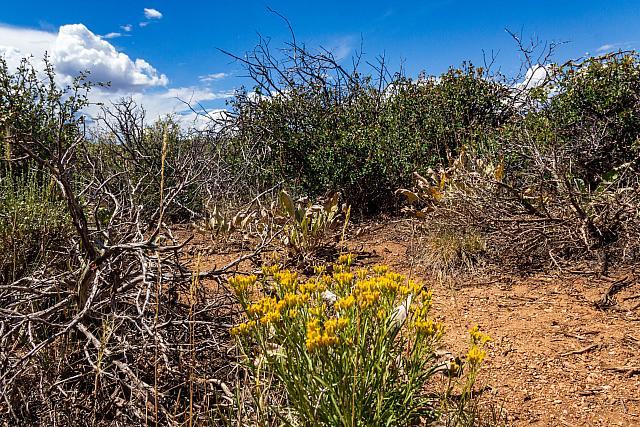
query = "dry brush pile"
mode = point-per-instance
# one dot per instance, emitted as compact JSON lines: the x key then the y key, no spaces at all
{"x":106,"y":324}
{"x":559,"y":185}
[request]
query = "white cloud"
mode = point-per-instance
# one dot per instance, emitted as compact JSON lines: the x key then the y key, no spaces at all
{"x":152,"y":13}
{"x":174,"y":101}
{"x":17,"y":43}
{"x":77,"y":49}
{"x":126,"y":28}
{"x":212,"y":77}
{"x":535,"y":76}
{"x":112,"y":35}
{"x":74,"y":49}
{"x":143,"y":24}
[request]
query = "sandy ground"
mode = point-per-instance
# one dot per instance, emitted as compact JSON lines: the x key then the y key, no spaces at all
{"x":555,"y":359}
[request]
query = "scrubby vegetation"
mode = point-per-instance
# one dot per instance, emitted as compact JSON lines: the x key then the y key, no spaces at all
{"x":104,"y":319}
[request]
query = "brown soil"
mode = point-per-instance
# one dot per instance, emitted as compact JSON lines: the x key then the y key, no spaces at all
{"x":555,"y":359}
{"x":536,"y":323}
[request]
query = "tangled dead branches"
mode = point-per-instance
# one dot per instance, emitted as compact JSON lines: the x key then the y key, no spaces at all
{"x":118,"y":330}
{"x":542,"y":217}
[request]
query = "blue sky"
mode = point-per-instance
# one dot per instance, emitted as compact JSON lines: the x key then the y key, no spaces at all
{"x":169,"y":51}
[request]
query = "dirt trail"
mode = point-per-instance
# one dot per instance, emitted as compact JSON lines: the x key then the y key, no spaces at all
{"x":554,"y":355}
{"x":552,"y":359}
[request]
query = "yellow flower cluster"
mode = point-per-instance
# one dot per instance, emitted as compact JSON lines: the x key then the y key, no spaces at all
{"x":411,"y":288}
{"x":315,"y":285}
{"x":242,"y":328}
{"x":380,"y":269}
{"x":287,"y":280}
{"x":427,"y":299}
{"x":271,"y":270}
{"x":340,"y":268}
{"x":367,"y":293}
{"x":319,"y":269}
{"x":268,"y":310}
{"x":394,"y":277}
{"x":475,"y":355}
{"x":317,"y":310}
{"x":343,"y":279}
{"x":428,"y":327}
{"x":362,"y":273}
{"x":240,"y":284}
{"x":295,"y":299}
{"x":478,"y":337}
{"x":345,"y":303}
{"x":455,"y":368}
{"x":319,"y":336}
{"x":346,"y":259}
{"x":378,"y":289}
{"x":421,"y":322}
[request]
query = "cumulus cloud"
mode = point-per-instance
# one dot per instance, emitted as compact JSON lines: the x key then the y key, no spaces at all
{"x":74,"y":49}
{"x":537,"y":75}
{"x":77,"y":49}
{"x":126,"y":28}
{"x":152,"y":13}
{"x":17,"y":43}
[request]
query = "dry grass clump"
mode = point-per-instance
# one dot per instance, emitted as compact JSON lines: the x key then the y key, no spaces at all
{"x":447,"y":252}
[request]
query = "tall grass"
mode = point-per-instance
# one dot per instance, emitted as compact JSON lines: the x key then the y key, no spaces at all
{"x":32,"y":220}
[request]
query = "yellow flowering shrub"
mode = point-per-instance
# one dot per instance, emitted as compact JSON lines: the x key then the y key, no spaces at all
{"x":353,"y":348}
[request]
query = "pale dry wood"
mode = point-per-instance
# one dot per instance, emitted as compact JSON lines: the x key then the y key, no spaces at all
{"x":582,"y":350}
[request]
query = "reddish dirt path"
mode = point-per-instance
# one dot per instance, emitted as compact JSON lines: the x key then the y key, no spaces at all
{"x":535,"y":323}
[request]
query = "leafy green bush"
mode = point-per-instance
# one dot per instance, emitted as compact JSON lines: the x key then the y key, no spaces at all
{"x":360,"y":135}
{"x":596,"y":114}
{"x":33,"y":107}
{"x":562,"y":183}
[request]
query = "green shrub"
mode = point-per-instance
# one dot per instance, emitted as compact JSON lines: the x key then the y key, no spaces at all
{"x":591,"y":116}
{"x":363,"y":137}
